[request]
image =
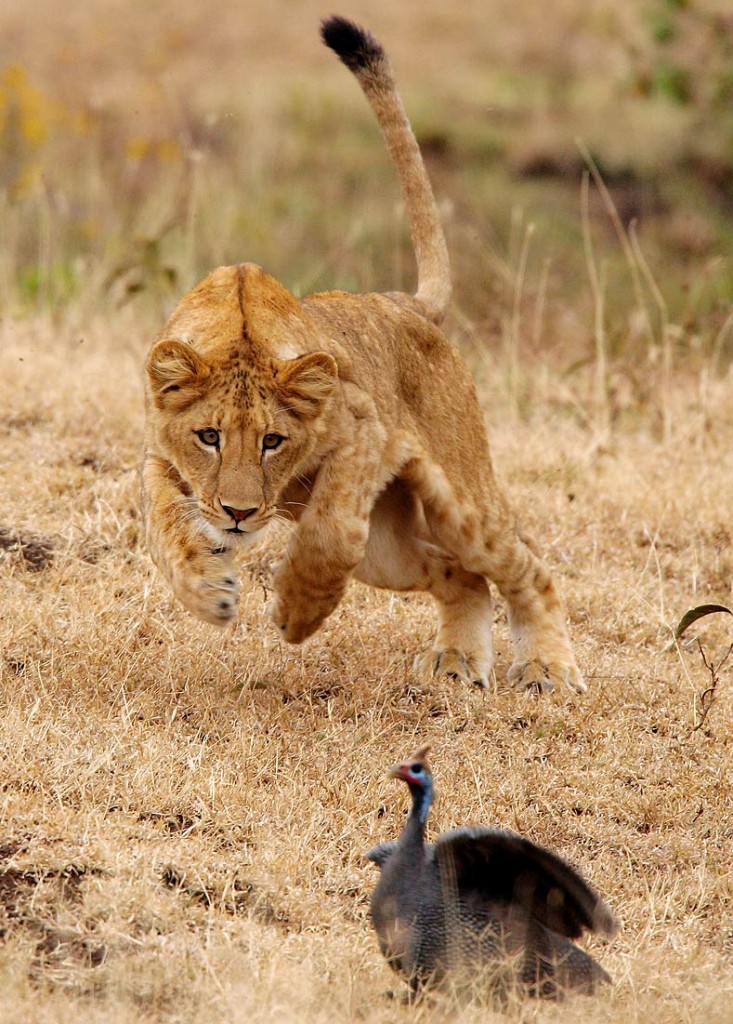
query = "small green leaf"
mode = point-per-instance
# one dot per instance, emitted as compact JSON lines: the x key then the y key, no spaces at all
{"x":673,"y":83}
{"x":663,"y":29}
{"x":698,"y":613}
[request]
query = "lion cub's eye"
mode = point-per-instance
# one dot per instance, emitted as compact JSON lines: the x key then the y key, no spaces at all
{"x":209,"y":436}
{"x":272,"y":441}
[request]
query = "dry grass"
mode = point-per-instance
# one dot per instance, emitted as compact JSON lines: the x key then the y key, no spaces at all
{"x":184,"y":811}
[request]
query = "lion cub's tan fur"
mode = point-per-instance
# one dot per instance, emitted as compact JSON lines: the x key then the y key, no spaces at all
{"x":354,"y":416}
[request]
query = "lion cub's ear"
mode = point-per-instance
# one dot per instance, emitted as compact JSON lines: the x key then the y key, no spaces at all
{"x":176,"y":372}
{"x":304,"y":384}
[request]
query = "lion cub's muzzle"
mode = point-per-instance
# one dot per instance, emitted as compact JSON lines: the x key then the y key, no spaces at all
{"x":245,"y":520}
{"x":240,"y":514}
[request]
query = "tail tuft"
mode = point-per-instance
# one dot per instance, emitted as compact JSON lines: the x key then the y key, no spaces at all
{"x":357,"y":48}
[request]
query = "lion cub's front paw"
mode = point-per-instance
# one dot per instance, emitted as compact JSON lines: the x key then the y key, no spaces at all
{"x":299,"y":620}
{"x":537,"y":677}
{"x":209,"y":589}
{"x":299,"y":609}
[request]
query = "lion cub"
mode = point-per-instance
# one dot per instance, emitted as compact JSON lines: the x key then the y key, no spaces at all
{"x":353,"y":416}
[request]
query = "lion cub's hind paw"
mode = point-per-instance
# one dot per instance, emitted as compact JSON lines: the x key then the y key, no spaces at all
{"x":454,"y":664}
{"x":537,"y":677}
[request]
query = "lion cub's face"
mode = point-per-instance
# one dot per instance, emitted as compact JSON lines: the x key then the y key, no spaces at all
{"x":236,"y":429}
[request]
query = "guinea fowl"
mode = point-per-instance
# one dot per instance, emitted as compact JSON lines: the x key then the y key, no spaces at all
{"x":478,"y":898}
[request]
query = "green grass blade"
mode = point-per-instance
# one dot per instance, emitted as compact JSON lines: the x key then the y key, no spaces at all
{"x":698,"y":613}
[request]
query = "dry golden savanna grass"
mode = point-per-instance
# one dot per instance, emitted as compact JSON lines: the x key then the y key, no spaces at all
{"x":184,"y":811}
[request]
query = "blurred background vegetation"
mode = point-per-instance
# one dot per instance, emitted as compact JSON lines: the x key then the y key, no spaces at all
{"x":582,"y":153}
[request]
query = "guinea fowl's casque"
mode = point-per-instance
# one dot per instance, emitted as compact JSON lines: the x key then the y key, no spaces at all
{"x":478,"y":898}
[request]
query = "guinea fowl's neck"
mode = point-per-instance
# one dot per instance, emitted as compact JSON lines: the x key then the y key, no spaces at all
{"x":413,"y":834}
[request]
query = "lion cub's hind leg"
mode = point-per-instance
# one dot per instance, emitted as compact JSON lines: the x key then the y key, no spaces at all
{"x":398,"y":557}
{"x":463,"y":647}
{"x":487,"y":542}
{"x":543,"y":657}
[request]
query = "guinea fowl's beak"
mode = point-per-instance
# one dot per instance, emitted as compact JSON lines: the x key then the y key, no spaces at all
{"x":399,"y":771}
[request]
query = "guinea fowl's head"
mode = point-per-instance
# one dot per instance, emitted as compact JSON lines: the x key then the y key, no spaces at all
{"x":415,"y":771}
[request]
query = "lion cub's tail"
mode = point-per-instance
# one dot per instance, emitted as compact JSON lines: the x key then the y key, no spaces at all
{"x":362,"y":54}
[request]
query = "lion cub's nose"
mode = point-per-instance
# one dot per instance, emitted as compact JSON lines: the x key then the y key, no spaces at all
{"x":239,"y":514}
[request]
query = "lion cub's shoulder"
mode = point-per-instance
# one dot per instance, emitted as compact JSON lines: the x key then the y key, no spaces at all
{"x":379,"y":321}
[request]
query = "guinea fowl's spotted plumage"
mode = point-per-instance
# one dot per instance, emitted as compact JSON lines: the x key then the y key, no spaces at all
{"x":478,"y":897}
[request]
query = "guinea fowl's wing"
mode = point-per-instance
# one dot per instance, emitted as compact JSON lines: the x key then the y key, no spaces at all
{"x":381,"y":852}
{"x":502,"y":868}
